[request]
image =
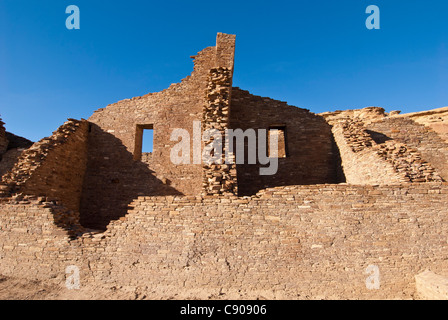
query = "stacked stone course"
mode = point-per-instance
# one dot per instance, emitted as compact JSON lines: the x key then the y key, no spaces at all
{"x":54,"y":166}
{"x":285,"y":242}
{"x":356,"y":135}
{"x":417,"y":136}
{"x":219,"y":178}
{"x":370,"y":158}
{"x":87,"y":197}
{"x":408,"y":161}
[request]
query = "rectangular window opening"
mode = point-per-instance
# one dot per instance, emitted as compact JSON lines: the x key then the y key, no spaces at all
{"x":280,"y":132}
{"x":144,"y":141}
{"x":148,"y":141}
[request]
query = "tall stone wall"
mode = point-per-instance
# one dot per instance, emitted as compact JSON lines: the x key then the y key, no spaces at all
{"x":115,"y":167}
{"x":219,"y":173}
{"x":298,"y":242}
{"x":54,"y":166}
{"x":311,"y":157}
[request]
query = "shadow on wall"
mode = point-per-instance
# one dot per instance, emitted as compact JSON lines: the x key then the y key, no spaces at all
{"x":311,"y":156}
{"x":378,"y":137}
{"x":113,"y":180}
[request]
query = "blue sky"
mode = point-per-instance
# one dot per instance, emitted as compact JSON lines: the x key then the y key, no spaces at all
{"x":316,"y":54}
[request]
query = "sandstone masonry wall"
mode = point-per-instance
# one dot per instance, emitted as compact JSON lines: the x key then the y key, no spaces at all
{"x":311,"y":157}
{"x":115,"y":166}
{"x":420,"y":137}
{"x":296,"y":242}
{"x":436,"y":119}
{"x":366,"y":161}
{"x":360,"y":163}
{"x":54,"y":166}
{"x":218,"y":178}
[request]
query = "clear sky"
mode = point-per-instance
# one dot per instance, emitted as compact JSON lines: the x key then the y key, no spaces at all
{"x":317,"y":54}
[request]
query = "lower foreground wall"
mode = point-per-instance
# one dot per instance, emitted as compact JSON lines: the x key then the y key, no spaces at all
{"x":297,"y":242}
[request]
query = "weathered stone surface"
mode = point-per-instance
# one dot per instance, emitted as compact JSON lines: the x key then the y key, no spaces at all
{"x":431,"y":286}
{"x":353,"y":189}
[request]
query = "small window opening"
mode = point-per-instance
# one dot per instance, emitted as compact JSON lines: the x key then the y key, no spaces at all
{"x":280,"y":132}
{"x":144,"y":141}
{"x":148,"y":141}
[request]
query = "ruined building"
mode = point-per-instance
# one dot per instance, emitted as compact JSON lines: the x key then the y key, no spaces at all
{"x":353,"y":188}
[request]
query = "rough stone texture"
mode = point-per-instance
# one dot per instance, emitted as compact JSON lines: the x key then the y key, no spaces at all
{"x":355,"y":135}
{"x":366,"y":160}
{"x":54,"y":166}
{"x":9,"y":159}
{"x":361,"y":164}
{"x":311,"y":158}
{"x":16,"y":145}
{"x":436,"y":119}
{"x":431,"y":286}
{"x":408,"y":162}
{"x":287,"y":242}
{"x":115,"y":174}
{"x":143,"y":226}
{"x":219,"y":178}
{"x":16,"y":142}
{"x":420,"y":137}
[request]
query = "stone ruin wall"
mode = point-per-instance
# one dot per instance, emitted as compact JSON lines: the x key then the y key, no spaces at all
{"x":417,"y":136}
{"x":11,"y":147}
{"x":53,"y":167}
{"x":297,"y":242}
{"x":360,"y":164}
{"x":436,"y":119}
{"x":311,"y":157}
{"x":218,"y":178}
{"x":366,"y":161}
{"x":159,"y":235}
{"x":115,"y":176}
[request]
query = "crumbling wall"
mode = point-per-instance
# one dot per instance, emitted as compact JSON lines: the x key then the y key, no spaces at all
{"x":360,"y":163}
{"x":366,"y":161}
{"x":294,"y":242}
{"x":9,"y":160}
{"x":420,"y":137}
{"x":54,"y":166}
{"x":407,"y":161}
{"x":311,"y":158}
{"x":436,"y":119}
{"x":16,"y":145}
{"x":114,"y":166}
{"x":3,"y":139}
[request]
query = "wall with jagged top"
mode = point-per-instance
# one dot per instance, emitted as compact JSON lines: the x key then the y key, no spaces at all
{"x":116,"y":175}
{"x":420,"y":137}
{"x":54,"y":166}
